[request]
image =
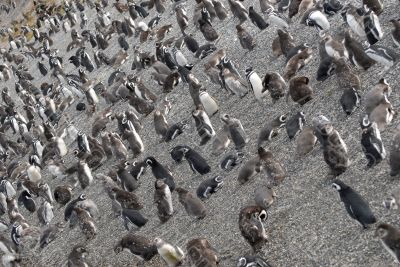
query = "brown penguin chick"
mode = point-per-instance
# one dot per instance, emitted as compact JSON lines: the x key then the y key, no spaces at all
{"x":334,"y":48}
{"x":251,"y":226}
{"x":390,"y":239}
{"x":238,"y":10}
{"x":142,"y":89}
{"x":276,"y":47}
{"x":160,"y":124}
{"x":141,"y":106}
{"x":246,"y":40}
{"x":376,"y":95}
{"x":127,"y":200}
{"x":345,"y":76}
{"x":275,"y":84}
{"x":249,"y":170}
{"x":119,"y":58}
{"x":299,"y":90}
{"x":77,"y":257}
{"x":144,"y":36}
{"x":100,"y":121}
{"x":286,"y":41}
{"x":374,"y":5}
{"x":294,"y":8}
{"x":192,"y":204}
{"x":106,"y":144}
{"x":271,"y":166}
{"x":209,"y":33}
{"x":122,"y":8}
{"x":181,"y":18}
{"x":86,"y":222}
{"x":140,"y":246}
{"x":304,"y":6}
{"x":215,"y":58}
{"x":201,"y":253}
{"x":396,"y":32}
{"x":297,"y":62}
{"x":356,"y":52}
{"x":63,"y":194}
{"x":163,"y":200}
{"x":119,"y":149}
{"x":171,"y":81}
{"x":305,"y":141}
{"x":162,"y":31}
{"x":220,"y":10}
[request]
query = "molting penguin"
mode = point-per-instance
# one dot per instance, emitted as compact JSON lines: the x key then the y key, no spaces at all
{"x":350,"y":100}
{"x":203,"y":126}
{"x":209,"y":186}
{"x":192,"y":204}
{"x":271,"y":129}
{"x":236,"y":131}
{"x":271,"y":166}
{"x":251,"y":226}
{"x":275,"y":84}
{"x":376,"y":95}
{"x":264,"y":196}
{"x":140,"y":246}
{"x":245,"y":39}
{"x":201,"y":253}
{"x":355,"y":205}
{"x":249,"y":169}
{"x":163,"y":200}
{"x":295,"y":124}
{"x":383,"y":114}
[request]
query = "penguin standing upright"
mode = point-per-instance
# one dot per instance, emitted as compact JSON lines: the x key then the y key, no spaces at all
{"x":192,"y":204}
{"x":209,"y":186}
{"x":389,"y":236}
{"x":209,"y":104}
{"x":255,"y":83}
{"x":163,"y":200}
{"x":355,"y":205}
{"x":172,"y":255}
{"x":295,"y":124}
{"x":196,"y":162}
{"x":371,"y":142}
{"x":236,"y":131}
{"x":160,"y":172}
{"x":394,"y":156}
{"x":251,"y":226}
{"x":275,"y":84}
{"x":203,"y":126}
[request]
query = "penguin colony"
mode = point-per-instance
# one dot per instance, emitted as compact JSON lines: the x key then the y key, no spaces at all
{"x":102,"y":101}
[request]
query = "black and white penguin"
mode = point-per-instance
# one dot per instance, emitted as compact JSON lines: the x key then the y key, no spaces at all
{"x":128,"y":182}
{"x":257,"y":19}
{"x":251,"y":226}
{"x":203,"y":126}
{"x":255,"y":83}
{"x":271,"y":129}
{"x":192,"y":204}
{"x":163,"y":200}
{"x":372,"y":27}
{"x":275,"y":84}
{"x":196,"y":162}
{"x":209,"y":186}
{"x":355,"y":205}
{"x":230,"y":161}
{"x":252,"y":261}
{"x":160,"y":172}
{"x":209,"y":104}
{"x":295,"y":124}
{"x":133,"y":217}
{"x":371,"y":142}
{"x":315,"y":18}
{"x":383,"y":55}
{"x":25,"y":198}
{"x":71,"y":205}
{"x":356,"y":52}
{"x":350,"y":100}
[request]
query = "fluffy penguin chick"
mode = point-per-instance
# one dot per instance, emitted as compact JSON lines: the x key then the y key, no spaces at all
{"x":192,"y":204}
{"x":251,"y":226}
{"x":172,"y":255}
{"x":390,"y":239}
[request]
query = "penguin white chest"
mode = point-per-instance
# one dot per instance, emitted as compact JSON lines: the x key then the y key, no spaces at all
{"x":256,"y":85}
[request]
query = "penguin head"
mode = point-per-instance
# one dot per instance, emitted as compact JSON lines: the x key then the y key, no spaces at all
{"x":339,"y":185}
{"x":158,"y":183}
{"x":242,"y":262}
{"x":263,"y":215}
{"x":82,"y":197}
{"x":150,"y":161}
{"x":390,"y":203}
{"x":365,"y":122}
{"x":158,"y":242}
{"x":218,"y":179}
{"x":248,"y":70}
{"x":118,"y":248}
{"x":382,"y":230}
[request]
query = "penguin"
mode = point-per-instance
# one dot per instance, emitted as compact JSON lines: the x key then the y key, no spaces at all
{"x":376,"y":95}
{"x":119,"y":149}
{"x":196,"y":162}
{"x":286,"y":41}
{"x":245,"y":39}
{"x":230,"y":65}
{"x":394,"y":154}
{"x":297,"y":62}
{"x":203,"y":126}
{"x":277,"y":18}
{"x":42,"y":68}
{"x":315,"y":18}
{"x":255,"y":83}
{"x":305,"y":141}
{"x":106,"y":144}
{"x":238,"y":10}
{"x":160,"y":124}
{"x":355,"y":19}
{"x":293,"y":8}
{"x":275,"y":84}
{"x":355,"y":205}
{"x":257,"y":19}
{"x":137,"y":169}
{"x":127,"y":200}
{"x":48,"y":235}
{"x":233,"y":83}
{"x":191,"y":44}
{"x":271,"y":129}
{"x":371,"y":142}
{"x":192,"y":204}
{"x":123,"y":43}
{"x":45,"y":213}
{"x":331,"y":7}
{"x":209,"y":104}
{"x":127,"y":181}
{"x":63,"y":194}
{"x":25,"y":198}
{"x":163,"y":200}
{"x":86,"y":222}
{"x":372,"y":27}
{"x":209,"y":186}
{"x":229,"y":161}
{"x":135,"y":141}
{"x":172,"y":255}
{"x":271,"y":166}
{"x":356,"y":52}
{"x":221,"y":141}
{"x":382,"y":55}
{"x":251,"y":219}
{"x":334,"y":148}
{"x":160,"y":172}
{"x":252,"y":261}
{"x":383,"y":114}
{"x":375,"y":5}
{"x":201,"y":253}
{"x":134,"y":217}
{"x":77,"y":257}
{"x":264,"y":196}
{"x":295,"y":124}
{"x":70,"y":207}
{"x":236,"y":131}
{"x":175,"y":130}
{"x":220,"y":9}
{"x":396,"y":32}
{"x":249,"y":170}
{"x":346,"y":77}
{"x":350,"y":100}
{"x":390,"y":238}
{"x":209,"y":33}
{"x":334,"y":48}
{"x":85,"y":177}
{"x":140,"y":246}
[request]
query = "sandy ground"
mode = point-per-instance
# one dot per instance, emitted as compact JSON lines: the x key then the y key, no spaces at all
{"x":307,"y":225}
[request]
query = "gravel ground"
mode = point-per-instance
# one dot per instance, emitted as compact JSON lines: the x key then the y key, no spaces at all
{"x":307,"y":225}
